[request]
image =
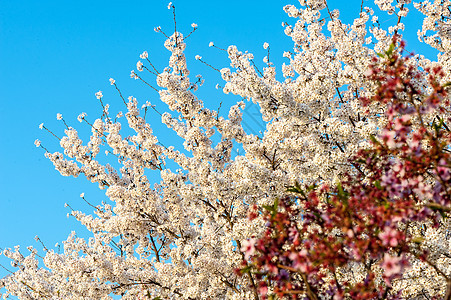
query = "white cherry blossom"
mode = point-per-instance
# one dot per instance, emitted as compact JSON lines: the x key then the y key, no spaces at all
{"x":181,"y":238}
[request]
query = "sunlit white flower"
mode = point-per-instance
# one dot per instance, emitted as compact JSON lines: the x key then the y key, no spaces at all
{"x":139,"y":66}
{"x":99,"y":95}
{"x":81,"y":117}
{"x":144,"y":55}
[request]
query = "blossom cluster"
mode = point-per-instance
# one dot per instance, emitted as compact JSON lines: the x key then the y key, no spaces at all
{"x":372,"y":225}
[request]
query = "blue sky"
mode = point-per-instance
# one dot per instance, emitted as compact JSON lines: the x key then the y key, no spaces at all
{"x":54,"y":55}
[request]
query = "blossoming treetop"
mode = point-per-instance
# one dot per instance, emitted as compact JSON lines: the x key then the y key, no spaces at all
{"x":181,"y":238}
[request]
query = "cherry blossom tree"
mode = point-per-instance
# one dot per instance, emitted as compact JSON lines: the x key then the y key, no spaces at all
{"x":182,"y":238}
{"x":374,"y":224}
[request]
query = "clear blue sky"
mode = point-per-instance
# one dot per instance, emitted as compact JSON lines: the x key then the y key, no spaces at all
{"x":54,"y":55}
